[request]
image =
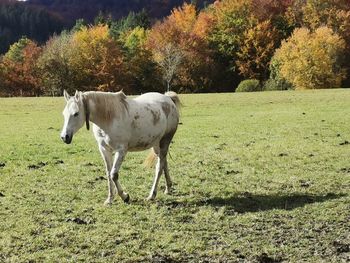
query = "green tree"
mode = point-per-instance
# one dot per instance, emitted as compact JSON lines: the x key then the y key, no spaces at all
{"x":276,"y":81}
{"x":15,"y":52}
{"x":133,"y":20}
{"x":142,"y":71}
{"x":17,"y":20}
{"x":79,"y":24}
{"x":232,"y":18}
{"x":103,"y":19}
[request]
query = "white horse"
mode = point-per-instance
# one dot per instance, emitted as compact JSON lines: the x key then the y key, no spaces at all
{"x":120,"y":125}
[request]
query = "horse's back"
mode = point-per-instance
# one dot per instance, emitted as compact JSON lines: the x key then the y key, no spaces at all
{"x":150,"y":97}
{"x":159,"y":106}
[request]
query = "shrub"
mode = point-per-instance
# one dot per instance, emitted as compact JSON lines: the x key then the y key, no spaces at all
{"x":276,"y":81}
{"x":249,"y":85}
{"x":277,"y":84}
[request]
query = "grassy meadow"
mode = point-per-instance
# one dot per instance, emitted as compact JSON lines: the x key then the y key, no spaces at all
{"x":259,"y":177}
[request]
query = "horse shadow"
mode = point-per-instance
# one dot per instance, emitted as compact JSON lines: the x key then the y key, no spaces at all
{"x":247,"y":202}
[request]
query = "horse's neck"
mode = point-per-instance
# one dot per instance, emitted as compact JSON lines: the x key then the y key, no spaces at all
{"x":94,"y":111}
{"x":100,"y":115}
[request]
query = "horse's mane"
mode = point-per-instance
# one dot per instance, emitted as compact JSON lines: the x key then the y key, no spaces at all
{"x":108,"y":105}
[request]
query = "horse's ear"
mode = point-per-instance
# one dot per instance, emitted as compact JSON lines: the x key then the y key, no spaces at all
{"x":66,"y":95}
{"x":77,"y":96}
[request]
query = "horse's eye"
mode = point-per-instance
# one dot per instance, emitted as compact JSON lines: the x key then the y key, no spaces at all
{"x":76,"y":114}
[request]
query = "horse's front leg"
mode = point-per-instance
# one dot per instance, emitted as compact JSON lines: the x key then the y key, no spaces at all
{"x":108,"y":160}
{"x":114,"y":174}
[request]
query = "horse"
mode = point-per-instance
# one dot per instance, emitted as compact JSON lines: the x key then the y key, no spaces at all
{"x":121,"y":125}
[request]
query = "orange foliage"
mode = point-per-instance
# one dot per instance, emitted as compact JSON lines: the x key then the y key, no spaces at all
{"x":204,"y":24}
{"x":23,"y":77}
{"x":183,"y":31}
{"x":256,"y":51}
{"x":184,"y":17}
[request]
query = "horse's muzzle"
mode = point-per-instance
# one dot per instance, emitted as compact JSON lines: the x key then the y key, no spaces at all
{"x":67,"y":139}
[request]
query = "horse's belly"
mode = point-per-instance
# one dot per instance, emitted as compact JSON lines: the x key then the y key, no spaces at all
{"x":139,"y":149}
{"x":144,"y":140}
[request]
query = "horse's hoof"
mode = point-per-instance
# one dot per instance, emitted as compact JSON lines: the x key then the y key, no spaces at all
{"x":127,"y":199}
{"x":151,"y":197}
{"x":107,"y":203}
{"x":168,"y":191}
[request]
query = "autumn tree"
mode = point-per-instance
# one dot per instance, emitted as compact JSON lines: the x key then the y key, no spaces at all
{"x":334,"y":14}
{"x":15,"y":52}
{"x":98,"y":60}
{"x":313,"y":14}
{"x":55,"y":64}
{"x":169,"y":59}
{"x":256,"y":51}
{"x":231,"y":19}
{"x":312,"y":60}
{"x":227,"y":21}
{"x":275,"y":11}
{"x":179,"y":32}
{"x":19,"y":69}
{"x":331,"y":13}
{"x":142,"y":71}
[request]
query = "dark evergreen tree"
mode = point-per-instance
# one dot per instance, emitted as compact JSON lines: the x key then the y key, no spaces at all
{"x":17,"y":20}
{"x":132,"y":21}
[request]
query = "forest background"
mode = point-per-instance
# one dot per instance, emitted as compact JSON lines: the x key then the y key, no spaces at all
{"x":198,"y":46}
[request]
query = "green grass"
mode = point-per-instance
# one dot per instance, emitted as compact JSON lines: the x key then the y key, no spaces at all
{"x":259,"y":177}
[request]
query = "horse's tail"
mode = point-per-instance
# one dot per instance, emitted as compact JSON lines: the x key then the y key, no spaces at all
{"x":150,"y":160}
{"x":175,"y":98}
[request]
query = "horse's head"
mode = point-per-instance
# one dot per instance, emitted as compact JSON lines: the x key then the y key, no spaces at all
{"x":75,"y":114}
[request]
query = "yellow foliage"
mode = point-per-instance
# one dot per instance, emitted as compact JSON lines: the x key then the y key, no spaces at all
{"x":90,"y":41}
{"x":134,"y":38}
{"x":312,"y":60}
{"x":326,"y":12}
{"x":222,"y":8}
{"x":97,"y":58}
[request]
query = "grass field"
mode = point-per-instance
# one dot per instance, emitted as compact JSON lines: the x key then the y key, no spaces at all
{"x":259,"y":177}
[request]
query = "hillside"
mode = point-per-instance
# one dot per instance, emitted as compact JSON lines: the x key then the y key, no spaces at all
{"x":71,"y":10}
{"x":39,"y":19}
{"x":17,"y":20}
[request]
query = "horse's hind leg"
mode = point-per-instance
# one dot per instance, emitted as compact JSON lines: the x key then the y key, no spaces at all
{"x":169,"y":183}
{"x":158,"y":173}
{"x":162,"y":165}
{"x":164,"y":144}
